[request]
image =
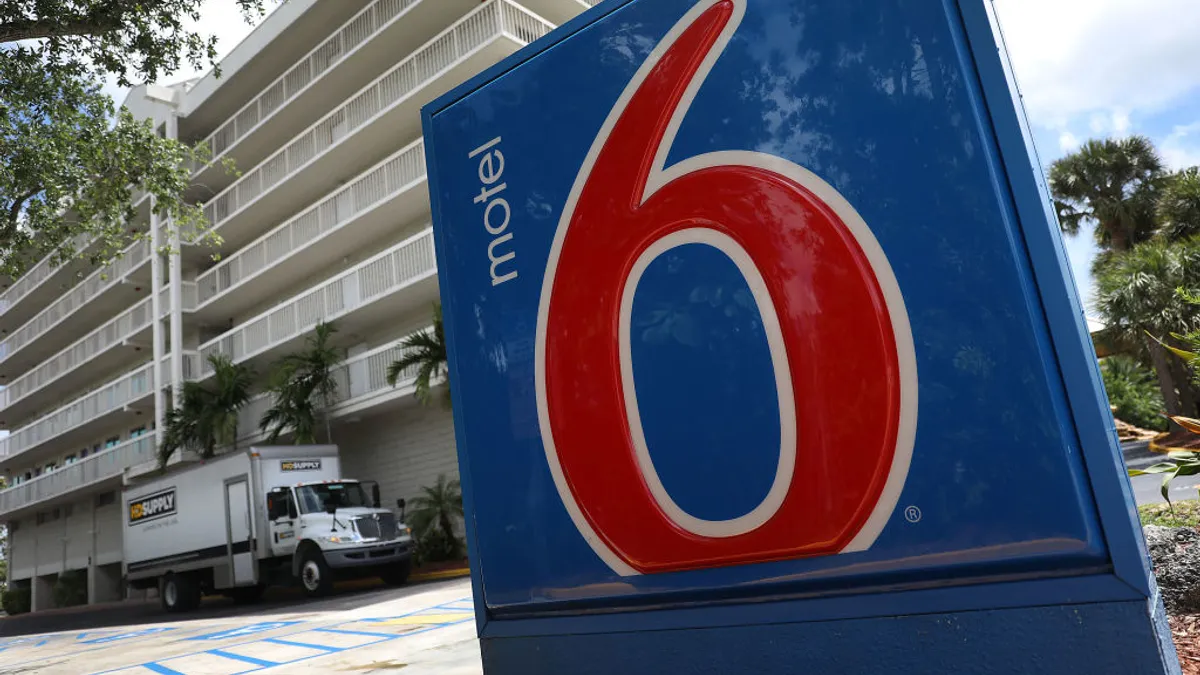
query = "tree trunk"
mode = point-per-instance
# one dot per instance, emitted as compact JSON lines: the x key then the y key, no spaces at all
{"x":1189,"y":402}
{"x":1166,"y":378}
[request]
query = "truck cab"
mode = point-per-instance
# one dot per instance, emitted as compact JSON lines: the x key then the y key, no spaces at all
{"x":334,"y":529}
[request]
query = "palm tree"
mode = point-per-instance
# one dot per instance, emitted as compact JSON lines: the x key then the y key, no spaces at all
{"x":426,"y":352}
{"x":1179,"y":205}
{"x":304,"y":387}
{"x":1143,"y":297}
{"x":206,"y":416}
{"x":1113,"y":183}
{"x":434,"y":513}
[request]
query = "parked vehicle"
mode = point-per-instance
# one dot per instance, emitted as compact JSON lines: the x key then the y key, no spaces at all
{"x":264,"y":516}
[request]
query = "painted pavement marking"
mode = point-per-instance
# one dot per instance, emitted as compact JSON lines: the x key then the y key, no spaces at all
{"x":301,"y":645}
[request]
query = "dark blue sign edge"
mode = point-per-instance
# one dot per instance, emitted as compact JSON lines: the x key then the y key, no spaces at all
{"x":1131,"y":577}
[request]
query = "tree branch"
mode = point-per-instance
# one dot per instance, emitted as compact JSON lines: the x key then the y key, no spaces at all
{"x":70,"y":26}
{"x":14,"y":211}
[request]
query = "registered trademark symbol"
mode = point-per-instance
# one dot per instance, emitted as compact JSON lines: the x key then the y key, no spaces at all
{"x":912,"y":514}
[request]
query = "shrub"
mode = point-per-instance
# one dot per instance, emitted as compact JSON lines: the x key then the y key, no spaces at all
{"x":1134,"y":392}
{"x":71,"y":589}
{"x":435,"y":546}
{"x":16,"y":600}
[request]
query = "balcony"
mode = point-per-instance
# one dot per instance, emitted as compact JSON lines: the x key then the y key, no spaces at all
{"x":558,"y":12}
{"x":397,"y":280}
{"x":77,"y":422}
{"x":385,"y":195}
{"x":364,"y":130}
{"x":359,"y":50}
{"x":111,"y":347}
{"x":46,"y":280}
{"x":362,"y":384}
{"x":77,"y":311}
{"x":103,"y":467}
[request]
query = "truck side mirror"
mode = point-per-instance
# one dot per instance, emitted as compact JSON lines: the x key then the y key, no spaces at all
{"x":400,"y":505}
{"x":375,"y":494}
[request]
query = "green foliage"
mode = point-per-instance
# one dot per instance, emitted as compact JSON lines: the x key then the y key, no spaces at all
{"x":303,"y":387}
{"x":1133,"y":391}
{"x":16,"y":600}
{"x":70,"y":589}
{"x":69,"y":160}
{"x":1179,"y":205}
{"x":1181,"y":462}
{"x":206,"y":415}
{"x":1113,"y":184}
{"x":426,"y":353}
{"x":433,"y":516}
{"x":1142,"y":295}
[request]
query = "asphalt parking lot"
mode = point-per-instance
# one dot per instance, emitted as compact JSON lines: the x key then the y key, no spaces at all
{"x":420,"y":630}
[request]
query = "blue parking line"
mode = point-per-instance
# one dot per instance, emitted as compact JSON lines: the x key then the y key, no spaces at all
{"x":343,"y":631}
{"x":161,"y":669}
{"x":303,"y":645}
{"x":263,"y":663}
{"x":158,"y":667}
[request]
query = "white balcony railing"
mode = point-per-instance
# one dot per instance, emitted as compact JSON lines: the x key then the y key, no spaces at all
{"x":32,"y":278}
{"x":358,"y":378}
{"x":469,"y":33}
{"x":108,"y":463}
{"x":98,"y":282}
{"x":360,"y":29}
{"x":396,"y":173}
{"x":114,"y":332}
{"x":120,"y":392}
{"x":376,"y":277}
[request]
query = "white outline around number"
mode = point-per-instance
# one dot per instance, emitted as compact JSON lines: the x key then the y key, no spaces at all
{"x":660,"y":176}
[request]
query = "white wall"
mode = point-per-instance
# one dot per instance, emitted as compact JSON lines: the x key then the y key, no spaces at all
{"x":108,"y":533}
{"x":79,"y":536}
{"x":21,"y":545}
{"x":403,"y":450}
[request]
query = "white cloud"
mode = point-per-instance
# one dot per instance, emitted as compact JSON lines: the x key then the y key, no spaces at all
{"x":1181,"y":148}
{"x":1074,"y":58}
{"x":1067,"y":141}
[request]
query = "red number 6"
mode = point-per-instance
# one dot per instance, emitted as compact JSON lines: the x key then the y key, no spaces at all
{"x":838,"y":333}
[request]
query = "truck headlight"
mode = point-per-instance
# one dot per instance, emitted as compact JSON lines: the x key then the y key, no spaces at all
{"x":343,"y":538}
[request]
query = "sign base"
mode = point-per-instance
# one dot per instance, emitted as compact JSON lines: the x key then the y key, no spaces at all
{"x":1087,"y":639}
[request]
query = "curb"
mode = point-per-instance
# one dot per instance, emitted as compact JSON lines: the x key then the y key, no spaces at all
{"x":443,"y":574}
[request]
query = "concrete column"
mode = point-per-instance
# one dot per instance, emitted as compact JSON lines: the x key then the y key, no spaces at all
{"x":43,"y":593}
{"x":176,"y":286}
{"x":160,"y":404}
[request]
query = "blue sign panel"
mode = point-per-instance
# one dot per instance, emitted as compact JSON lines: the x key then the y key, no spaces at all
{"x":760,"y":300}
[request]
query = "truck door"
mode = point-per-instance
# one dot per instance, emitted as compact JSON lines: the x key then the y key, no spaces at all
{"x":283,"y":518}
{"x":239,"y":530}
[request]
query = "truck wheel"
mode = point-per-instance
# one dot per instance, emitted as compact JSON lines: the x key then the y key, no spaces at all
{"x":179,"y":593}
{"x":315,"y":575}
{"x":396,"y":575}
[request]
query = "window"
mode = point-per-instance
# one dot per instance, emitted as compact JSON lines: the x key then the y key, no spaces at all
{"x":83,"y":453}
{"x":112,"y":442}
{"x":313,"y":497}
{"x":136,"y":432}
{"x":68,"y":460}
{"x":14,"y":526}
{"x":280,"y":505}
{"x":50,"y":467}
{"x":105,"y":499}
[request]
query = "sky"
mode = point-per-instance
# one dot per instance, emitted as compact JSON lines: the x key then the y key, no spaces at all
{"x":1086,"y":69}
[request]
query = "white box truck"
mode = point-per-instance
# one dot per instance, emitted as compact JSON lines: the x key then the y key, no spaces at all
{"x":262,"y":516}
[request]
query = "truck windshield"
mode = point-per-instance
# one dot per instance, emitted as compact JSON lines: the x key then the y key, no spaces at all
{"x":312,"y":498}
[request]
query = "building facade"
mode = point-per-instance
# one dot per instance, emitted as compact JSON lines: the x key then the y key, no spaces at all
{"x":327,"y":218}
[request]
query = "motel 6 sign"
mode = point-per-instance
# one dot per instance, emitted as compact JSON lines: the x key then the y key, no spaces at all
{"x":759,"y":301}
